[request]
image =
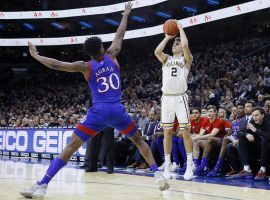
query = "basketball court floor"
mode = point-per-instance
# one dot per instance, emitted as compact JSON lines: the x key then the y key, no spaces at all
{"x":73,"y":183}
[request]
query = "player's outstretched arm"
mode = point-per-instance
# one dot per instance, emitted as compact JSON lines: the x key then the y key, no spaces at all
{"x":116,"y":45}
{"x":184,"y":41}
{"x":78,"y":66}
{"x":161,"y":56}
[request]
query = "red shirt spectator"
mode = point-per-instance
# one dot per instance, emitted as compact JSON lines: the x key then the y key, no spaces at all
{"x":217,"y":123}
{"x":196,"y":126}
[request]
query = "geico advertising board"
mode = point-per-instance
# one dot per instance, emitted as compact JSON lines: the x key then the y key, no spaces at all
{"x":51,"y":141}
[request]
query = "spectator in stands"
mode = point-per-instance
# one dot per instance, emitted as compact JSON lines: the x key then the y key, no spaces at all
{"x":266,"y":107}
{"x":245,"y":94}
{"x":25,"y":122}
{"x":211,"y":134}
{"x":18,"y":122}
{"x":147,"y":137}
{"x":260,"y":101}
{"x":197,"y":103}
{"x":237,"y":125}
{"x":72,"y":121}
{"x":61,"y":121}
{"x":255,"y":138}
{"x":248,"y":144}
{"x":30,"y":123}
{"x":35,"y":121}
{"x":3,"y":123}
{"x":228,"y":139}
{"x":12,"y":122}
{"x":42,"y":123}
{"x":143,"y":120}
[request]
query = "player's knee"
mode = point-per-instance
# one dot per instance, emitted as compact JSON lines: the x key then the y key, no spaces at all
{"x":168,"y":133}
{"x":186,"y":133}
{"x":136,"y":139}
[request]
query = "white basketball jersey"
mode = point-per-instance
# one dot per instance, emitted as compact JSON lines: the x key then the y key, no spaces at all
{"x":174,"y":76}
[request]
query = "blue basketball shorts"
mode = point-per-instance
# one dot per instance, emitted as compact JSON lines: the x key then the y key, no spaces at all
{"x":103,"y":115}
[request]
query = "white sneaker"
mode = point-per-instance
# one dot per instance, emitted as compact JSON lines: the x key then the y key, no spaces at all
{"x":189,"y":171}
{"x":162,"y":167}
{"x":161,"y":181}
{"x":167,"y":171}
{"x":36,"y":191}
{"x":174,"y":167}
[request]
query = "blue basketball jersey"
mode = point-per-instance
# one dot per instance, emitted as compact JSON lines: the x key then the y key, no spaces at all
{"x":107,"y":111}
{"x":104,"y":80}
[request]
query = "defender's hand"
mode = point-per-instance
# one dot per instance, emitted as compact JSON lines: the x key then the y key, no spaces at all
{"x":128,"y":7}
{"x":32,"y":49}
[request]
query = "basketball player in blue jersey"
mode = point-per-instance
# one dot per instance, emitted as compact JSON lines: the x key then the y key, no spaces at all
{"x":102,"y":74}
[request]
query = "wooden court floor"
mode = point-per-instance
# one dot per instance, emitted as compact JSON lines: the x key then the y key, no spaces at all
{"x":75,"y":184}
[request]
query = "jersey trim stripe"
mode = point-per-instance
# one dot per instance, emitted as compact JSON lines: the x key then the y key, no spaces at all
{"x":167,"y":124}
{"x":86,"y":130}
{"x":187,"y":110}
{"x":90,"y":71}
{"x":128,"y":129}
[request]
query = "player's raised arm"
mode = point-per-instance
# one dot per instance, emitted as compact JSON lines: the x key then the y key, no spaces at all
{"x":184,"y":41}
{"x":161,"y":56}
{"x":116,"y":45}
{"x":78,"y":66}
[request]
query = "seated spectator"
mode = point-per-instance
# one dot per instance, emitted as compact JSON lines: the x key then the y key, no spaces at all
{"x":254,"y":138}
{"x":248,"y":146}
{"x":232,"y":151}
{"x":147,"y":137}
{"x":226,"y":140}
{"x":196,"y":122}
{"x":143,"y":120}
{"x":212,"y":132}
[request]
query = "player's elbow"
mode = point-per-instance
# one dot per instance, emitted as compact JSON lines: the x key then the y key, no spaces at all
{"x":157,"y":52}
{"x":117,"y":49}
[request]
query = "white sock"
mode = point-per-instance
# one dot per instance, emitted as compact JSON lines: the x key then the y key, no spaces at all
{"x":263,"y":169}
{"x":167,"y":159}
{"x":247,"y":168}
{"x":189,"y":158}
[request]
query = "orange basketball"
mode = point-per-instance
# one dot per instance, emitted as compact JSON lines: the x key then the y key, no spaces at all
{"x":170,"y":28}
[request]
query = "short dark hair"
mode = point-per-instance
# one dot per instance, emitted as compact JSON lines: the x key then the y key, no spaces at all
{"x":250,"y":102}
{"x":199,"y":110}
{"x":211,"y":107}
{"x":240,"y":104}
{"x":260,"y":109}
{"x":92,"y":46}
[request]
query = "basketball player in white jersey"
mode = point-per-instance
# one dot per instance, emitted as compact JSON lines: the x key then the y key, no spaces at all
{"x":174,"y":102}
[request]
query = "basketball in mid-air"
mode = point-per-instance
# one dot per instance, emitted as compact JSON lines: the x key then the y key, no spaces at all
{"x":170,"y":28}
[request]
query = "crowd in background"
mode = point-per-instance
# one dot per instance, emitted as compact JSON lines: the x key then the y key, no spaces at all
{"x":222,"y":74}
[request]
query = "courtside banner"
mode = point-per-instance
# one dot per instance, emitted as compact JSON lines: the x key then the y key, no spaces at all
{"x":51,"y":14}
{"x":209,"y":17}
{"x":44,"y":142}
